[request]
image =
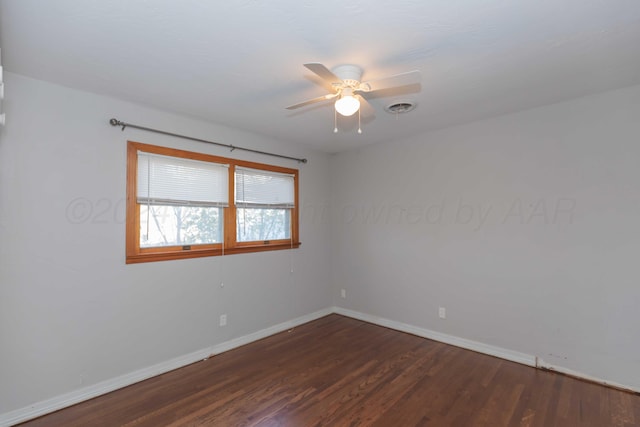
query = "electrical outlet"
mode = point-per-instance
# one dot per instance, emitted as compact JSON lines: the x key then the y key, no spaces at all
{"x":343,"y":293}
{"x":442,"y":312}
{"x":223,"y":320}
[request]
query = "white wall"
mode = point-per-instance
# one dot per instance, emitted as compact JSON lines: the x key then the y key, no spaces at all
{"x":525,"y":227}
{"x":72,"y":313}
{"x":444,"y":219}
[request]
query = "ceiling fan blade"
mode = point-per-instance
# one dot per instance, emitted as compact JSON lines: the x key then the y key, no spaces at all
{"x":323,"y":72}
{"x":366,"y":109}
{"x":312,"y":101}
{"x":402,"y":79}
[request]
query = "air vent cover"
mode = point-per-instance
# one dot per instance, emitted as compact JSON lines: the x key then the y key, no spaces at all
{"x":400,"y":107}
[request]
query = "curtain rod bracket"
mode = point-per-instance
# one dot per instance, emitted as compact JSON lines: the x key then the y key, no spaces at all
{"x":116,"y":122}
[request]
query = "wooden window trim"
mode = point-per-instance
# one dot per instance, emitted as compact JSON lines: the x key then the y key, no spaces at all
{"x":135,"y":254}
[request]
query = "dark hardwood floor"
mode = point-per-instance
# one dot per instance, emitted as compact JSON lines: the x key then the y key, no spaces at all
{"x":338,"y":371}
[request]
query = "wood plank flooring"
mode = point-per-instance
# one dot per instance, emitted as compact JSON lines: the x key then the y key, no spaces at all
{"x":338,"y":371}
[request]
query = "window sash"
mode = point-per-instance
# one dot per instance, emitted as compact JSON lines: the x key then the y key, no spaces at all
{"x":161,"y":232}
{"x":242,"y":225}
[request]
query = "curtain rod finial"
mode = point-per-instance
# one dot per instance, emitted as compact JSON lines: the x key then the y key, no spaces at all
{"x":116,"y":122}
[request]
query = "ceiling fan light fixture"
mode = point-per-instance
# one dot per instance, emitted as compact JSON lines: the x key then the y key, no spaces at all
{"x":348,"y":104}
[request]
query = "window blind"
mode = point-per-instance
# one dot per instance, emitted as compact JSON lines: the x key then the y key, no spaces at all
{"x":263,"y":189}
{"x":166,"y":180}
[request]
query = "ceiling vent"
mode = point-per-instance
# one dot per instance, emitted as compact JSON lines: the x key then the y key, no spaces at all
{"x":400,"y":107}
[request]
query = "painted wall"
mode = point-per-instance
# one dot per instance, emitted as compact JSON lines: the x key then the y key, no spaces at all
{"x":524,"y":227}
{"x":72,"y":313}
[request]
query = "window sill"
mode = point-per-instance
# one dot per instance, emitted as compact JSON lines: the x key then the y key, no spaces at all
{"x":199,"y":253}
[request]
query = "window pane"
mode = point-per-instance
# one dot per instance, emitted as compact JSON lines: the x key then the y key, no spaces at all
{"x":162,"y":225}
{"x":255,"y":224}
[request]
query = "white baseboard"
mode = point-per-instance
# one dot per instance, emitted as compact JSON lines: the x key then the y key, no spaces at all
{"x":491,"y":350}
{"x":77,"y":396}
{"x":71,"y":398}
{"x":513,"y":356}
{"x":544,"y":365}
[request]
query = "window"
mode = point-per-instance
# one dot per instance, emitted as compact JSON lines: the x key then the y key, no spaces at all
{"x":263,"y":205}
{"x":180,"y":200}
{"x":182,"y":204}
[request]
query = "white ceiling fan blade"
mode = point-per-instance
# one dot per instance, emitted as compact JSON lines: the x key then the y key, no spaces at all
{"x":312,"y":101}
{"x":323,"y":72}
{"x":402,"y":79}
{"x":366,"y":109}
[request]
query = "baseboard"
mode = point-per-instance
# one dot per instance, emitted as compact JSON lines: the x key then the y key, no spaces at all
{"x":513,"y":356}
{"x":86,"y":393}
{"x":581,"y":376}
{"x":491,"y":350}
{"x":89,"y":392}
{"x":272,"y":330}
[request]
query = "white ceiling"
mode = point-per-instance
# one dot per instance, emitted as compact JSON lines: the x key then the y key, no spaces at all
{"x":239,"y":63}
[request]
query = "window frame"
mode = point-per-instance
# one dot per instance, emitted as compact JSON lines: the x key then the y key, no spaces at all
{"x":230,"y":245}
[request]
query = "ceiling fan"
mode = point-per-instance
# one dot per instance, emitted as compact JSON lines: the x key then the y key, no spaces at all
{"x":345,"y":81}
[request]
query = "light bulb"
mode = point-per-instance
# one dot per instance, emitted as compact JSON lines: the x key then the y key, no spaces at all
{"x":347,"y":105}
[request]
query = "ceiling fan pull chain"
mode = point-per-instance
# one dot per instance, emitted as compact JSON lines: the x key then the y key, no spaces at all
{"x":335,"y":121}
{"x":359,"y":127}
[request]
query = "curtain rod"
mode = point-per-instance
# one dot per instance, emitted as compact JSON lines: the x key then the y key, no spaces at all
{"x":116,"y":122}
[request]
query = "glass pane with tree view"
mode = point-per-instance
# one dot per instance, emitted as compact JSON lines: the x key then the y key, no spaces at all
{"x":259,"y":224}
{"x":166,"y":225}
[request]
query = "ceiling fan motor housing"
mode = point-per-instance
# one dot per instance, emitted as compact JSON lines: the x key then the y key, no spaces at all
{"x":349,"y":74}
